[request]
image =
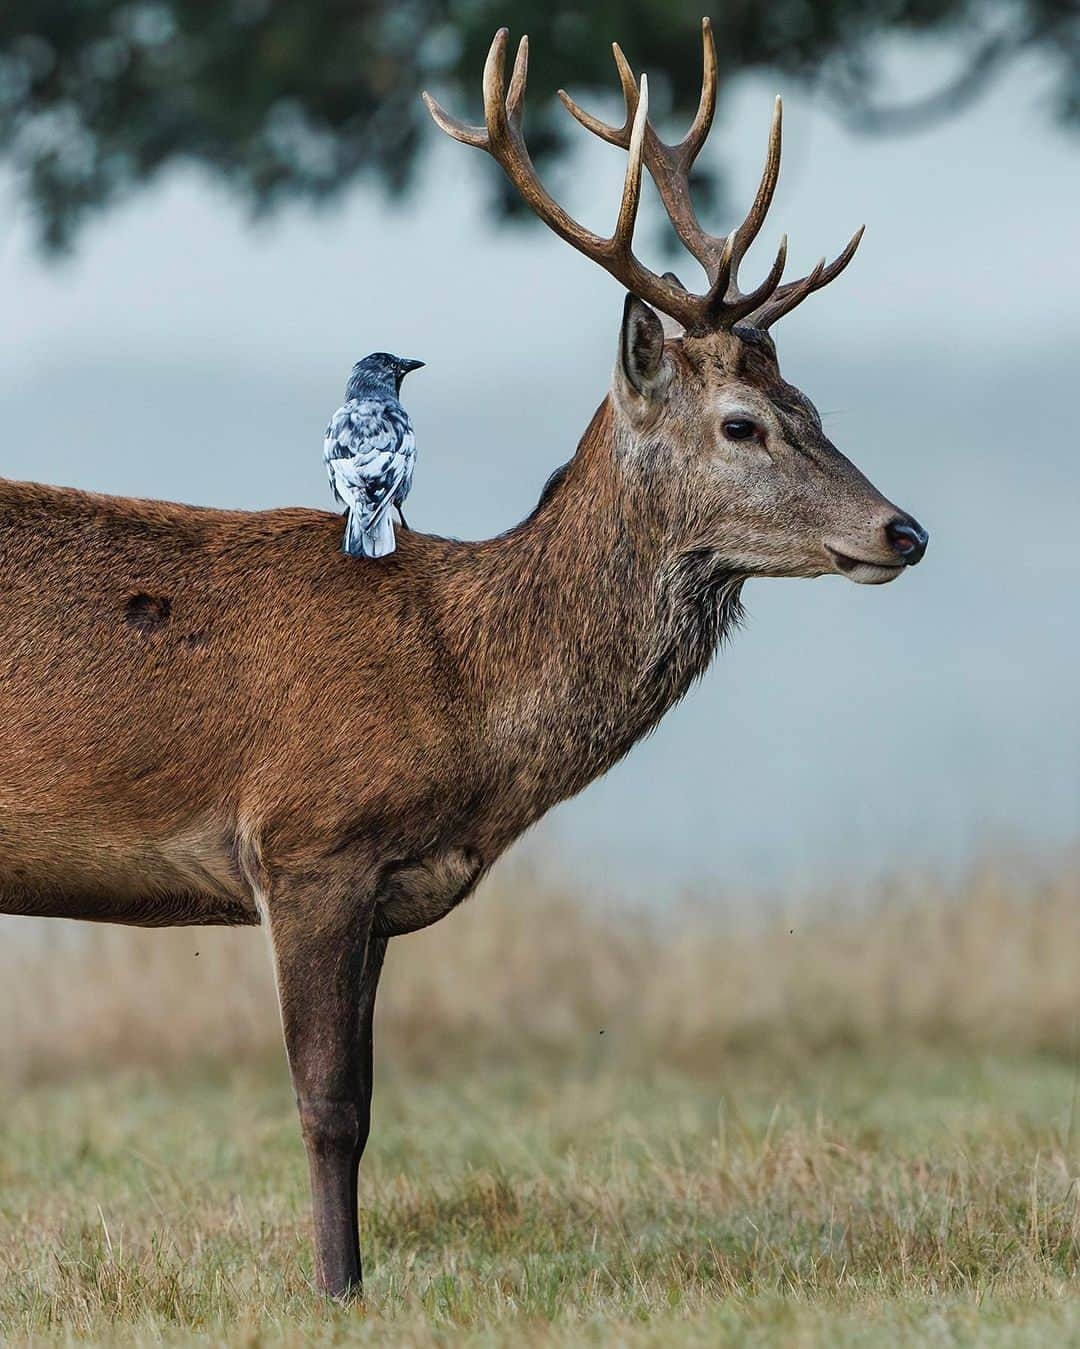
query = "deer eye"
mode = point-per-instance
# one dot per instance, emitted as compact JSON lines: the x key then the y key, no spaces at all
{"x":740,"y":428}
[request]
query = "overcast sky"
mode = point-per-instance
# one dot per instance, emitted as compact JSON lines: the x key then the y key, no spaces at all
{"x":184,"y":354}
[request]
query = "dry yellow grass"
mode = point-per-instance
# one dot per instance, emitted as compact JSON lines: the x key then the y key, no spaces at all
{"x":991,"y":960}
{"x":854,"y":1120}
{"x":899,"y":1197}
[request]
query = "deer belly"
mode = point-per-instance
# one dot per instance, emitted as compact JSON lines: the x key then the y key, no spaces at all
{"x":60,"y":871}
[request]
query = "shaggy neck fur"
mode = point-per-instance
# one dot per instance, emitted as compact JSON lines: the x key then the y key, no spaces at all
{"x":589,"y":621}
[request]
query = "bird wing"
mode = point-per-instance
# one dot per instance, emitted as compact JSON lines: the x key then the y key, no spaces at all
{"x":369,"y":449}
{"x":409,"y":450}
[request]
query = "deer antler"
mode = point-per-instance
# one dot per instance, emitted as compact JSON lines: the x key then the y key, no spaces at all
{"x":723,"y":305}
{"x":502,"y":138}
{"x":670,"y":165}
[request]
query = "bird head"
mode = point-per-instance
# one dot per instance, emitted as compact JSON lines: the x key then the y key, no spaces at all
{"x":380,"y":370}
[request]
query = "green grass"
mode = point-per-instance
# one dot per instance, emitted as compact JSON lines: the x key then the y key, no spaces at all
{"x":898,"y":1197}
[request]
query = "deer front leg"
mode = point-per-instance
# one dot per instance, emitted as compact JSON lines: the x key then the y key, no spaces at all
{"x":327,"y":971}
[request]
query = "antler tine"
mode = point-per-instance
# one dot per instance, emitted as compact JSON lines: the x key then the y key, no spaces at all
{"x":495,"y":89}
{"x":785,"y":299}
{"x":518,"y":79}
{"x":628,"y":208}
{"x":614,"y":135}
{"x":628,"y":82}
{"x":734,"y":308}
{"x":690,"y":145}
{"x":792,"y":294}
{"x":748,"y":231}
{"x":453,"y":126}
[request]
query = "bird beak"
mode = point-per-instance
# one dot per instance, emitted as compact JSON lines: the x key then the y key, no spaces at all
{"x":406,"y":366}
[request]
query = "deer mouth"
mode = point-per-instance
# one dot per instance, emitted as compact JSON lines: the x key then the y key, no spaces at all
{"x":862,"y":570}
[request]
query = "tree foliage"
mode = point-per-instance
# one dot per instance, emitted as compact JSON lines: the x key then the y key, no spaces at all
{"x":292,"y":98}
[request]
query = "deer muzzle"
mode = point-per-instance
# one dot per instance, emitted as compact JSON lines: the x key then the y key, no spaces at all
{"x":900,"y":543}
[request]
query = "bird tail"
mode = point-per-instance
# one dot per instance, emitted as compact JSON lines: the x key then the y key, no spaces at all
{"x":373,"y":538}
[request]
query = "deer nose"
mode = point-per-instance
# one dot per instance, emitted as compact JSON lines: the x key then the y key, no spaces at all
{"x":907,"y":538}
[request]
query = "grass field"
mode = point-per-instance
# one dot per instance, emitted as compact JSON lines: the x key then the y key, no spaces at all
{"x":846,"y":1126}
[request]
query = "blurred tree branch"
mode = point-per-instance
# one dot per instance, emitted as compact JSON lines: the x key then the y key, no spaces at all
{"x":295,"y":99}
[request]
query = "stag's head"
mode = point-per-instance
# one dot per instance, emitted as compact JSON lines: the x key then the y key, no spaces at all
{"x":737,"y":456}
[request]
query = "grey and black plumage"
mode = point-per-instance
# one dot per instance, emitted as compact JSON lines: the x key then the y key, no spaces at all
{"x":370,"y":451}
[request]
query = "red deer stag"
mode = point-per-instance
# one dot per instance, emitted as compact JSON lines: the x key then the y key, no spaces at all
{"x":215,"y":717}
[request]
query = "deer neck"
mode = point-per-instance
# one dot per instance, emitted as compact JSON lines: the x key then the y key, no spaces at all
{"x":589,"y":623}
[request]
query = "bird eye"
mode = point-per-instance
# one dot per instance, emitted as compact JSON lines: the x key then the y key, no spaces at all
{"x":740,"y":428}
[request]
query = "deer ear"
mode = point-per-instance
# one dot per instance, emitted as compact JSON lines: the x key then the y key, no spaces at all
{"x":641,"y":348}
